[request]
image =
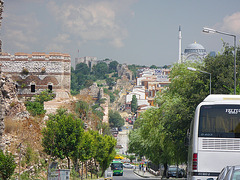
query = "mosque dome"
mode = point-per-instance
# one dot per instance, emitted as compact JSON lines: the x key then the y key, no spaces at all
{"x":195,"y":48}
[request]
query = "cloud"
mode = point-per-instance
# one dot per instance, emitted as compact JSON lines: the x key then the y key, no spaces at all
{"x":230,"y":23}
{"x":92,"y":20}
{"x":58,"y":43}
{"x":20,"y":31}
{"x":62,"y":38}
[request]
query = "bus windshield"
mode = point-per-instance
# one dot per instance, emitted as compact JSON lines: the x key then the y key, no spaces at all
{"x":117,"y":166}
{"x":219,"y":121}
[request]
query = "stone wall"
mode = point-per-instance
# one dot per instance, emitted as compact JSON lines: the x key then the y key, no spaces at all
{"x":1,"y":117}
{"x":36,"y":72}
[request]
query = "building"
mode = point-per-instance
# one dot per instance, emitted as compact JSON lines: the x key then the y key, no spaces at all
{"x":36,"y":72}
{"x":88,"y":60}
{"x":149,"y":82}
{"x":194,"y":52}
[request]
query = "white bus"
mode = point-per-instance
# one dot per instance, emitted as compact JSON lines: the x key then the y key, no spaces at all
{"x":214,"y":139}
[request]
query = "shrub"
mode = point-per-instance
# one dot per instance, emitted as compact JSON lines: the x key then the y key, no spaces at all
{"x":25,"y":71}
{"x":7,"y":165}
{"x":36,"y":107}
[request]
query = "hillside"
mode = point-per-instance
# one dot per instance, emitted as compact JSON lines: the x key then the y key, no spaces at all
{"x":22,"y":132}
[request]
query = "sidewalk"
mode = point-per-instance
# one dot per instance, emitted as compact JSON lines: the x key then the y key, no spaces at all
{"x":145,"y":174}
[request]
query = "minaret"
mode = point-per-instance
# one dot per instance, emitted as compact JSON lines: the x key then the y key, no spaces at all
{"x":179,"y":45}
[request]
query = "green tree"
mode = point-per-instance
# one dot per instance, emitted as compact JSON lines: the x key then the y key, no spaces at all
{"x":110,"y":82}
{"x":62,"y":135}
{"x":113,"y":66}
{"x":82,"y":108}
{"x":115,"y":119}
{"x":88,"y":83}
{"x":163,"y":130}
{"x":153,"y":67}
{"x":87,"y":149}
{"x":221,"y":68}
{"x":74,"y":83}
{"x":7,"y":165}
{"x":134,"y":104}
{"x":100,"y":70}
{"x":105,"y":150}
{"x":82,"y":68}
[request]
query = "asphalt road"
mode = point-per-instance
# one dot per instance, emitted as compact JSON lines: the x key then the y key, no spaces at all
{"x":128,"y":174}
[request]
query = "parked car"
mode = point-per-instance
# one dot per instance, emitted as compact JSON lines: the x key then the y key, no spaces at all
{"x":223,"y":173}
{"x":173,"y":170}
{"x":232,"y":173}
{"x":128,"y":165}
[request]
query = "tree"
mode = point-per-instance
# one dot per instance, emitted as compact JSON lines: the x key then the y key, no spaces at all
{"x":7,"y":165}
{"x":87,"y":149}
{"x":88,"y":83}
{"x":222,"y":69}
{"x":153,"y":67}
{"x":163,"y":130}
{"x":100,"y":70}
{"x":82,"y":68}
{"x":105,"y":151}
{"x":115,"y":119}
{"x":82,"y":108}
{"x":110,"y":82}
{"x":134,"y":104}
{"x":62,"y":135}
{"x":113,"y":66}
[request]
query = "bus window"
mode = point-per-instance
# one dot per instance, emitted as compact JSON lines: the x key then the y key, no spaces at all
{"x":219,"y":121}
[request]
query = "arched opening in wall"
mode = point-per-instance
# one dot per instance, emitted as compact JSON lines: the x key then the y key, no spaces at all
{"x":33,"y":88}
{"x":50,"y":87}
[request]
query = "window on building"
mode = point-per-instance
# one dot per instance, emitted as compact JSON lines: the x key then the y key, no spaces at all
{"x":50,"y":87}
{"x":33,"y":88}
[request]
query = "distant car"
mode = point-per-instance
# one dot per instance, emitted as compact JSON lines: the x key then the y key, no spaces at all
{"x":223,"y":173}
{"x":128,"y":165}
{"x":172,"y":172}
{"x":233,"y":173}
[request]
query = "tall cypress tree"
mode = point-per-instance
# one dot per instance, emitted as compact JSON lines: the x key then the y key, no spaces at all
{"x":134,"y":104}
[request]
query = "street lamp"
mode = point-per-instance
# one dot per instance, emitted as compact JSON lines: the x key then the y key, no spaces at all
{"x":209,"y":30}
{"x":193,"y":69}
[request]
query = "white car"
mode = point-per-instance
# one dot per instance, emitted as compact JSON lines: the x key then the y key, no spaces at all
{"x":128,"y":165}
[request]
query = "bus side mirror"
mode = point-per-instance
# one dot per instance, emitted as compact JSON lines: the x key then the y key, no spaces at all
{"x":111,"y":166}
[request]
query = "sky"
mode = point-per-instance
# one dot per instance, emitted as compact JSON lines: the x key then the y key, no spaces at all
{"x":141,"y":32}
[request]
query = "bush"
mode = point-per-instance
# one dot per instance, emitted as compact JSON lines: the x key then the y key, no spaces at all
{"x":35,"y":108}
{"x":7,"y":165}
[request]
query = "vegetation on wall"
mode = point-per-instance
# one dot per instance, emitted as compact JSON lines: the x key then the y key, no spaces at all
{"x":36,"y":107}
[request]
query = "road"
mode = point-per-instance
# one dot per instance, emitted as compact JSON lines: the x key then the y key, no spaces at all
{"x":129,"y":174}
{"x":122,"y":139}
